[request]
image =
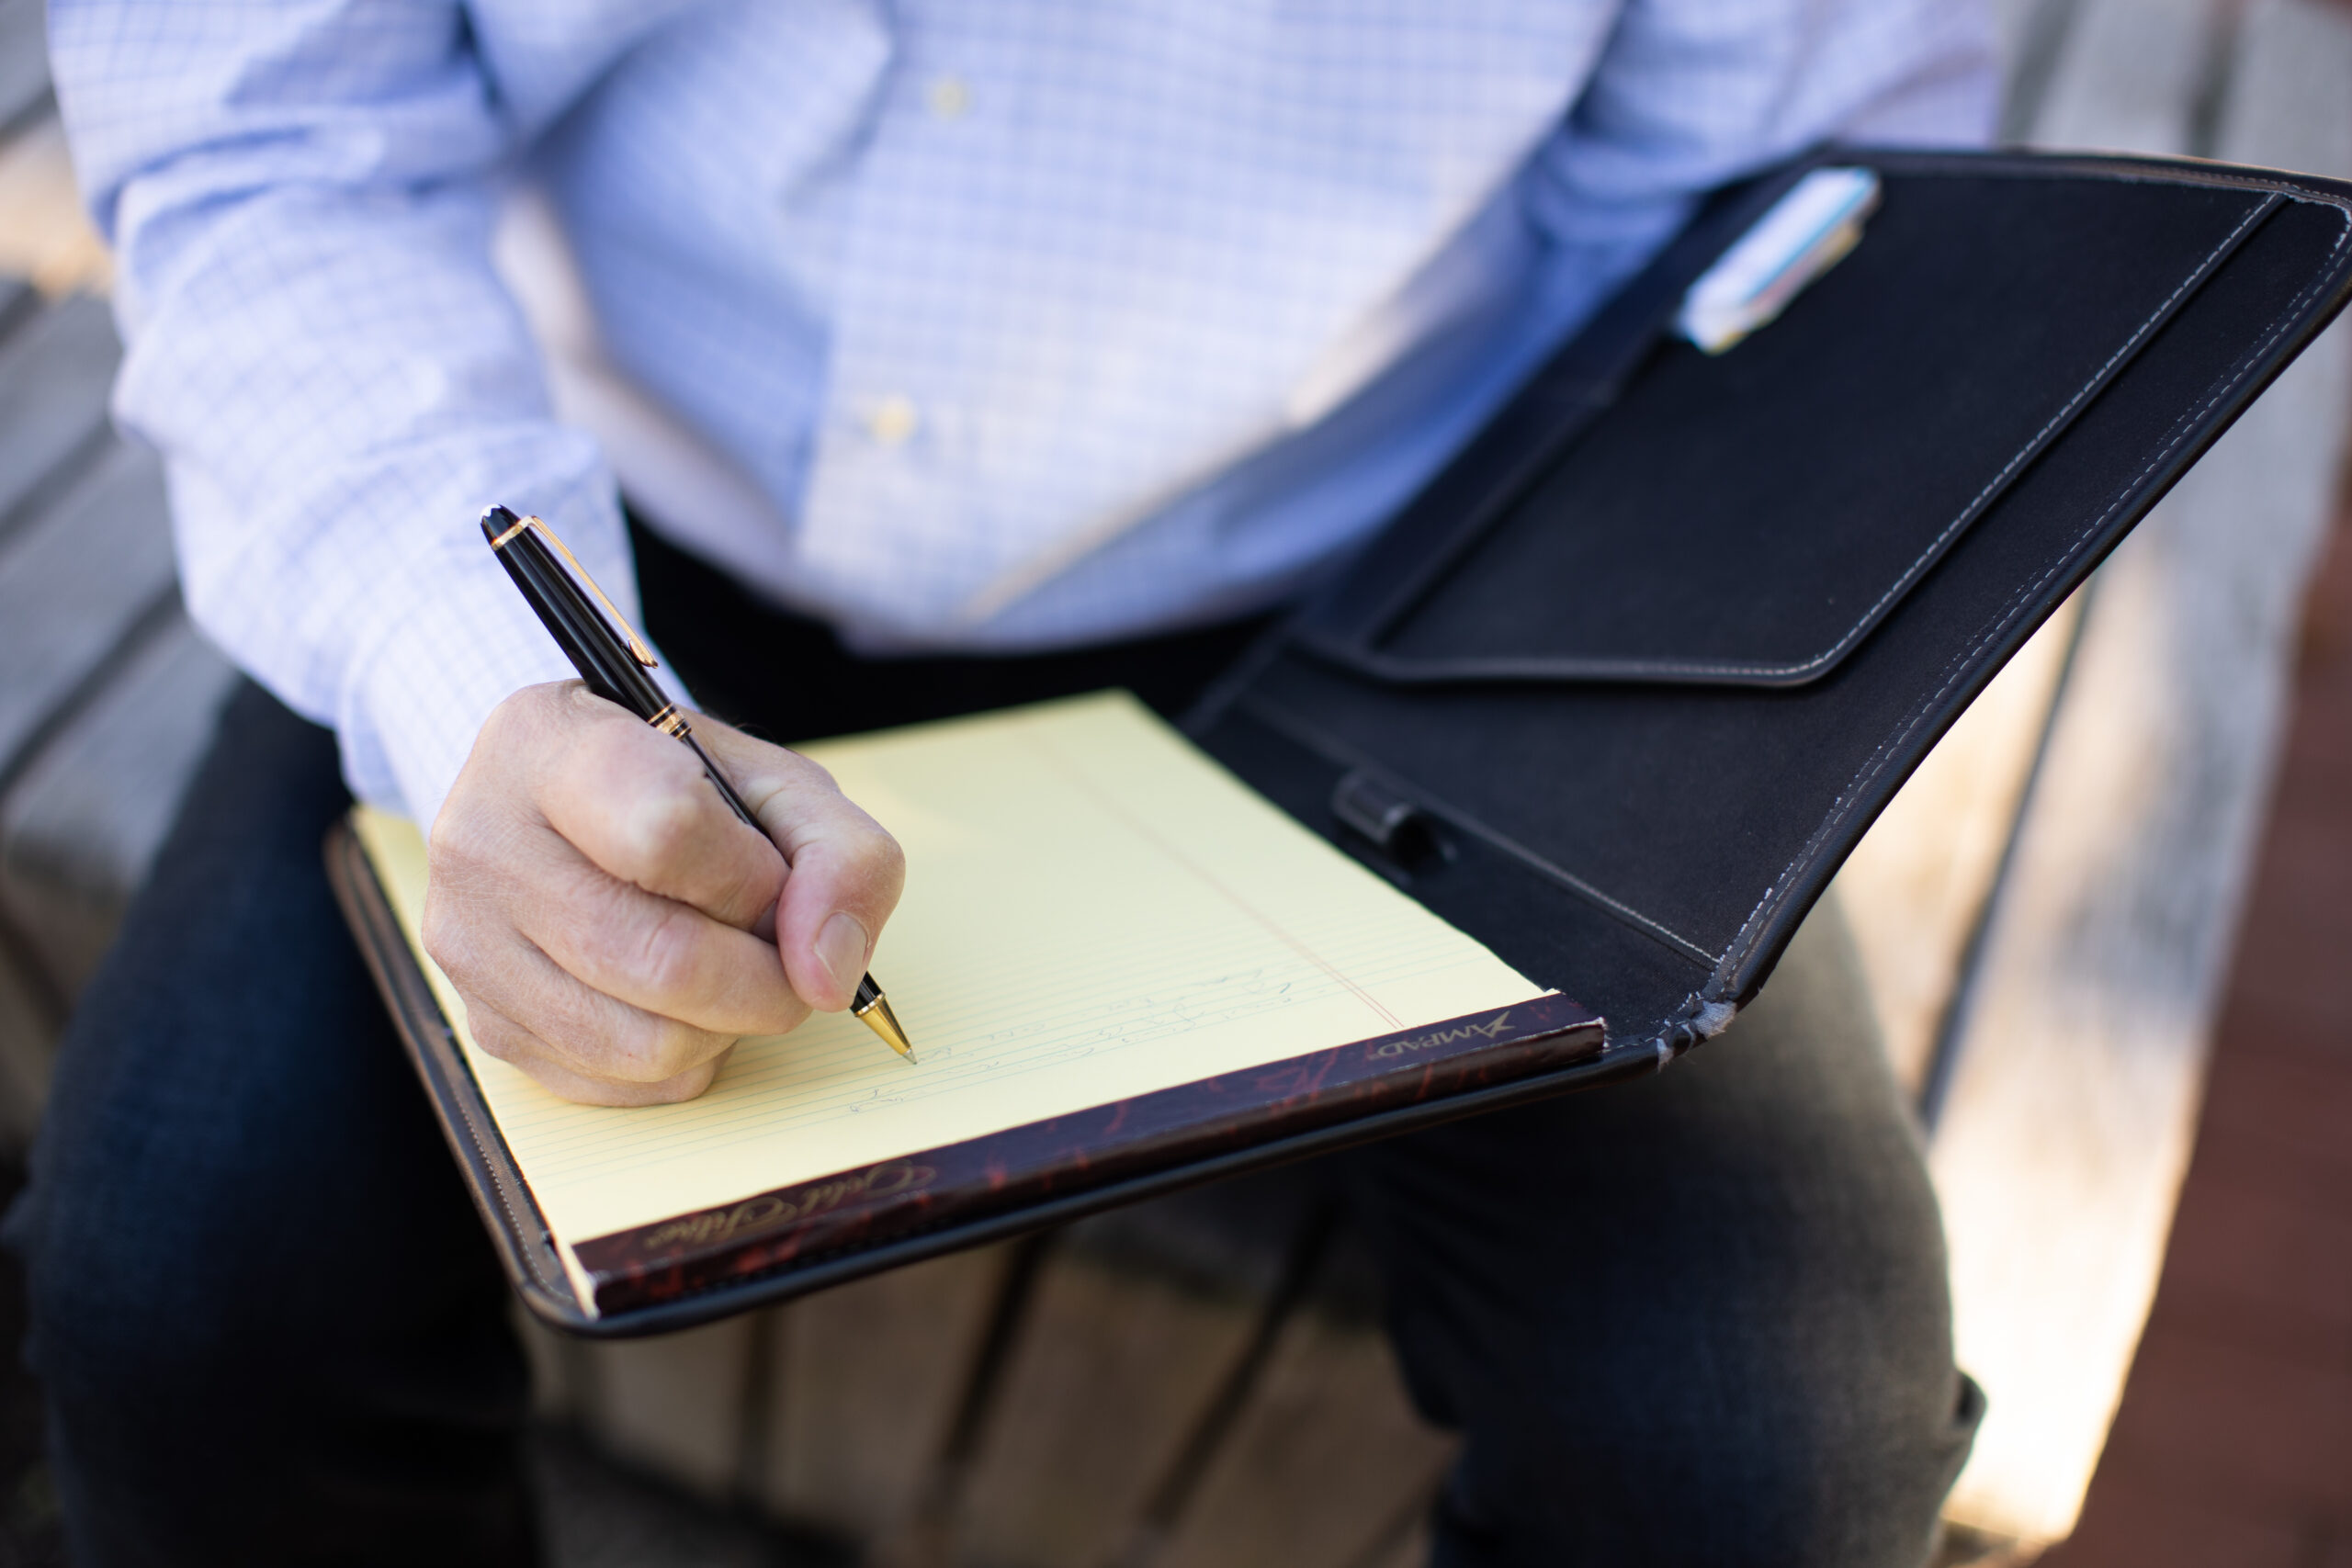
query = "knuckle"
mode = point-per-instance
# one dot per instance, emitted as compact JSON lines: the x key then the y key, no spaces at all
{"x":681,"y":1047}
{"x":455,"y":845}
{"x":659,"y":827}
{"x":661,"y":1048}
{"x":667,"y":961}
{"x":813,"y":772}
{"x":464,"y":852}
{"x":433,"y":927}
{"x":448,"y":940}
{"x":528,"y":712}
{"x":511,"y":714}
{"x":496,"y":1037}
{"x":879,"y":860}
{"x":685,"y":1086}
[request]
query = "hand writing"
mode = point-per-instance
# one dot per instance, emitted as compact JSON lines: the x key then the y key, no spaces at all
{"x":613,"y":928}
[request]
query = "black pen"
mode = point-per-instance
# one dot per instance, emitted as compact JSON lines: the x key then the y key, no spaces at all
{"x":613,"y":660}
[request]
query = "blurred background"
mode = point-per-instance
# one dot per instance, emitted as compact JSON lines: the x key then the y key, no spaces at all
{"x":2107,"y":927}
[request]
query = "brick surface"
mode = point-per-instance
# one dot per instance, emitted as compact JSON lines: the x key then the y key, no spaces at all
{"x":2237,"y":1423}
{"x":2243,"y":1252}
{"x":2129,"y":1524}
{"x":2233,"y":1443}
{"x":2281,"y":1091}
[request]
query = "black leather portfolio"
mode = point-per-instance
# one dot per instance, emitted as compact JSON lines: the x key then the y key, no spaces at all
{"x":1619,"y":692}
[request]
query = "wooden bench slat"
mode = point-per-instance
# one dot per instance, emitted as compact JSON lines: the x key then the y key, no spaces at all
{"x":17,"y":301}
{"x":1139,"y":1320}
{"x":1412,"y":1550}
{"x":80,"y":828}
{"x":1112,"y":1373}
{"x":2079,"y":1056}
{"x":55,"y":374}
{"x":73,"y":583}
{"x":29,"y":1021}
{"x":1914,"y":889}
{"x":676,"y":1402}
{"x":24,"y":59}
{"x":865,"y":1385}
{"x":2129,"y":76}
{"x":1327,"y":1462}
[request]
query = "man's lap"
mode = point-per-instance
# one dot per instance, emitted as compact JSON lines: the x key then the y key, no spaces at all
{"x":1699,"y":1318}
{"x":264,"y":1313}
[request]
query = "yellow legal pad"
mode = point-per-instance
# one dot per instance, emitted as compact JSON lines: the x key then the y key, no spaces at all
{"x":1095,"y":910}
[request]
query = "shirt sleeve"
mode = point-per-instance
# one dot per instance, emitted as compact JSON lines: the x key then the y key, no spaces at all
{"x":300,"y":196}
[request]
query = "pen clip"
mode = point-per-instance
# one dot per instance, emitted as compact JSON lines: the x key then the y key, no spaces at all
{"x":637,"y":648}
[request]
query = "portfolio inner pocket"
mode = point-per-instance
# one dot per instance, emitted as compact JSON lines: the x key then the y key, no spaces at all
{"x":1748,"y":518}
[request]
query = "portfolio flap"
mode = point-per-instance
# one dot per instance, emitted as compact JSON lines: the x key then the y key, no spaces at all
{"x":1747,"y":518}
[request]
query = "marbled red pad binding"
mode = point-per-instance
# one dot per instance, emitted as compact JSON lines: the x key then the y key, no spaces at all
{"x":1089,"y":1148}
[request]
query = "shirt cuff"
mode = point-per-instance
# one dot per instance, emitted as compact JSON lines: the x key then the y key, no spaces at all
{"x":468,"y":642}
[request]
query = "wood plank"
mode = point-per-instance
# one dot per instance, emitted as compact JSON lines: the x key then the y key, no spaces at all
{"x":559,"y":1375}
{"x":81,"y":827}
{"x":24,"y":60}
{"x":675,"y":1403}
{"x":1138,"y":1322}
{"x":55,"y":375}
{"x":1914,"y":889}
{"x":2129,"y":76}
{"x":1110,"y":1378}
{"x":2081,"y":1045}
{"x":2286,"y":106}
{"x":1313,"y":1473}
{"x":30,"y":1017}
{"x":867,"y":1380}
{"x":73,"y":583}
{"x":44,"y":234}
{"x":1410,"y":1549}
{"x":2031,"y":37}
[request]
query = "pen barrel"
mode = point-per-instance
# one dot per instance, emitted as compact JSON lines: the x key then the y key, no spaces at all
{"x":735,"y":803}
{"x":579,"y":628}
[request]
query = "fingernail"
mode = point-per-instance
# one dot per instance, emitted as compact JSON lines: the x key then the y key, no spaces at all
{"x":841,"y":948}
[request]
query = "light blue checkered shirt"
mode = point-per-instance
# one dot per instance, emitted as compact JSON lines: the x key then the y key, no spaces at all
{"x":989,"y":325}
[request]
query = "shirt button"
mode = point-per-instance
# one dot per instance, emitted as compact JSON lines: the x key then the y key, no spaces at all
{"x":948,"y":98}
{"x":892,"y":421}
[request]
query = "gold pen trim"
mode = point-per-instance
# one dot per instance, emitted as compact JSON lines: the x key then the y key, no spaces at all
{"x":669,"y":721}
{"x":876,"y":1016}
{"x":637,"y":646}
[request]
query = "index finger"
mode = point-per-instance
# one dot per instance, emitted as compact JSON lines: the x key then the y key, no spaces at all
{"x":636,"y":802}
{"x":846,"y":871}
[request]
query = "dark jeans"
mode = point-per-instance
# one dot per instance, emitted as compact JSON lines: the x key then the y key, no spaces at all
{"x":1699,"y":1320}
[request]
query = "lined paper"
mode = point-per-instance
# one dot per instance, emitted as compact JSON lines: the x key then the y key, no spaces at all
{"x":1095,"y":910}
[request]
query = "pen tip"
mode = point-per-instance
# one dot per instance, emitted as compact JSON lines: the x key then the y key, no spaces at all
{"x":884,"y":1022}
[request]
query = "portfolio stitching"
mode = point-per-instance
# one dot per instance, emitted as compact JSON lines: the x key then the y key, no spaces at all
{"x":506,"y":1201}
{"x":1954,"y":672}
{"x":466,"y":1114}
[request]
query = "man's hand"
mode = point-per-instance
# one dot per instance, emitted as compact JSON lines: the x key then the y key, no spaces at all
{"x":613,"y":927}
